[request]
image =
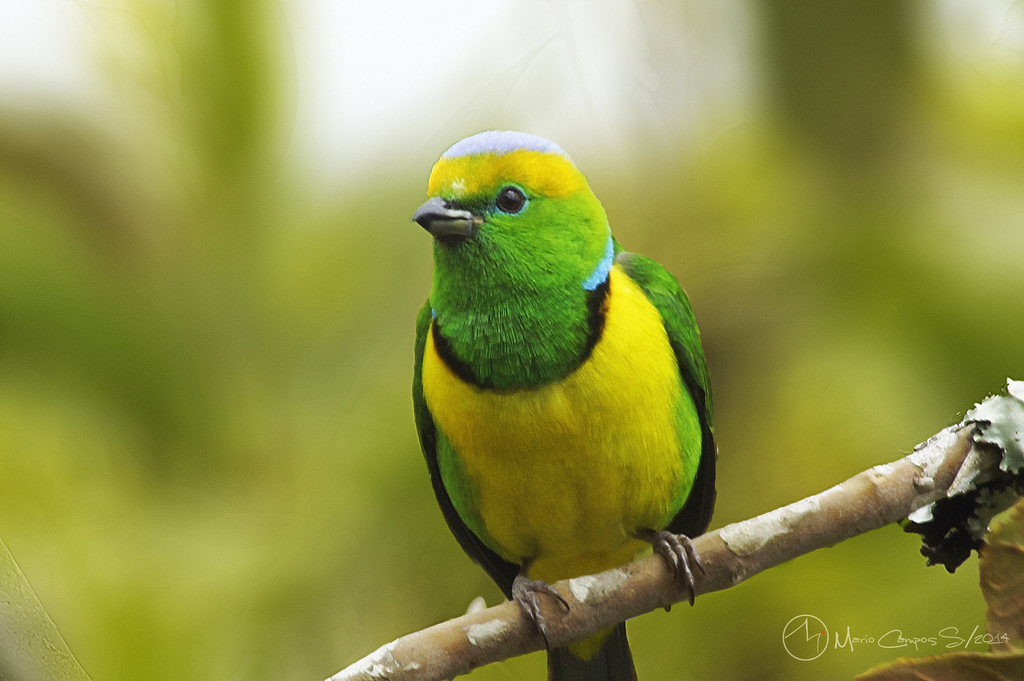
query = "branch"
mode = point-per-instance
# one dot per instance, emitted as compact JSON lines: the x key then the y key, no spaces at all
{"x":881,"y":495}
{"x":31,"y":648}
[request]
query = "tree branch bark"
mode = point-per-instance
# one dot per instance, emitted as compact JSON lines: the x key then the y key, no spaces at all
{"x":876,"y":497}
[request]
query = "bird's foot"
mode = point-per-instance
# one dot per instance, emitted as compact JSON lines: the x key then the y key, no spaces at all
{"x":678,"y":552}
{"x":525,"y":592}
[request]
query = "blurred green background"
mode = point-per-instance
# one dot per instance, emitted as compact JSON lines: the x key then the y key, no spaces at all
{"x":208,"y":280}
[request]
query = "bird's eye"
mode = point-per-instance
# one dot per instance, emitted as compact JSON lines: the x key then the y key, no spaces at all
{"x":510,"y":200}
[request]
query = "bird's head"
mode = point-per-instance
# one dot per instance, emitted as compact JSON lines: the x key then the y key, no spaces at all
{"x":509,"y":209}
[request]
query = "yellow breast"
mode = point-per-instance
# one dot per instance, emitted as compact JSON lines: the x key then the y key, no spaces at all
{"x":565,"y":474}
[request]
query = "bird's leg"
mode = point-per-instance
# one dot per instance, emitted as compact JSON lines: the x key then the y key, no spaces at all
{"x":678,"y":552}
{"x":525,"y":593}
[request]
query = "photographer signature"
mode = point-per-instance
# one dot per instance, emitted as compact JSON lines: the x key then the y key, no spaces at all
{"x":806,"y":637}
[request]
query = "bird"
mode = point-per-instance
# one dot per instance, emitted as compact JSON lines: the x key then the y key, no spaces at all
{"x":561,"y":393}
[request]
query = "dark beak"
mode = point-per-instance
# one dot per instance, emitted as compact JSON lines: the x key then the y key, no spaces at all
{"x":438,"y":218}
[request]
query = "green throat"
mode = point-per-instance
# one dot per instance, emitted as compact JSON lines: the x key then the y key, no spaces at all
{"x":513,"y":328}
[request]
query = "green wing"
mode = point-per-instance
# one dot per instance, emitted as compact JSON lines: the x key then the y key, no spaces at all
{"x":500,"y":570}
{"x":667,"y":296}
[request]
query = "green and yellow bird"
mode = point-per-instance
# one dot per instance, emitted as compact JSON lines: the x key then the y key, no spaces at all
{"x":561,"y":394}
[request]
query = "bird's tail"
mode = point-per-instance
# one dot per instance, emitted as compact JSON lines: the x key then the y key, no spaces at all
{"x":611,"y":662}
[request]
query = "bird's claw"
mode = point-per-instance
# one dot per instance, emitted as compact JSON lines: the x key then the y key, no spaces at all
{"x":525,"y":592}
{"x":679,"y":554}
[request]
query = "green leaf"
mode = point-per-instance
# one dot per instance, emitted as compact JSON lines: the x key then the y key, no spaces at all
{"x":1002,"y":578}
{"x":958,"y":666}
{"x":31,"y":648}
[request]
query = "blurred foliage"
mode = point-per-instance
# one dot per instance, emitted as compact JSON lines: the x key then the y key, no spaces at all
{"x":208,"y":467}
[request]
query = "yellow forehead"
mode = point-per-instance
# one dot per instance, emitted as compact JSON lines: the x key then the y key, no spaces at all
{"x":539,"y":173}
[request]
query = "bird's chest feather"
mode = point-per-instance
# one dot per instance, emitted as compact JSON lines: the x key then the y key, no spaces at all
{"x":564,"y":474}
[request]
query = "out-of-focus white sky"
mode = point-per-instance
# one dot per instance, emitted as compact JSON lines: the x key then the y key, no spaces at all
{"x":595,"y":74}
{"x":599,"y":77}
{"x":44,"y":51}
